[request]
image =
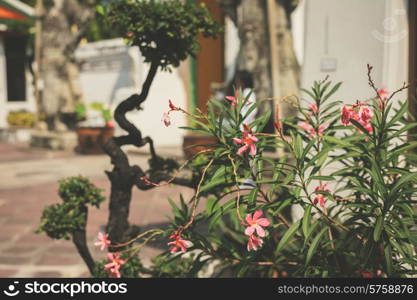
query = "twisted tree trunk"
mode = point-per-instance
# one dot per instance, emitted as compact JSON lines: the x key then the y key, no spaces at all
{"x":124,"y":177}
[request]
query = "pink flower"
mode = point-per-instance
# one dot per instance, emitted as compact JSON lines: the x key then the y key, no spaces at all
{"x":320,"y":198}
{"x":313,"y":107}
{"x":114,"y":265}
{"x":363,"y":117}
{"x":348,"y":113}
{"x":365,"y":114}
{"x":232,"y":99}
{"x":179,"y":243}
{"x":383,"y":94}
{"x":102,"y":241}
{"x":256,"y":223}
{"x":310,"y":130}
{"x":166,"y":119}
{"x":254,"y":243}
{"x":248,"y":140}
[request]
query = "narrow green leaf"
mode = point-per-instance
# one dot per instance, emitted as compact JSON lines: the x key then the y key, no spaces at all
{"x":378,"y":228}
{"x":306,"y":221}
{"x":332,"y":91}
{"x":315,"y":244}
{"x":287,"y":236}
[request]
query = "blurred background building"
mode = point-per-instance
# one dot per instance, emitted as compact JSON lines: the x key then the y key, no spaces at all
{"x":16,"y":84}
{"x":336,"y":38}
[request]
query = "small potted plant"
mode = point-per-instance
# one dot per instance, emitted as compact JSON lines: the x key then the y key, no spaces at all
{"x":94,"y":128}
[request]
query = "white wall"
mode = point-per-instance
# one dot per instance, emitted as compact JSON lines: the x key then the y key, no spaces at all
{"x":343,"y":36}
{"x":113,"y":71}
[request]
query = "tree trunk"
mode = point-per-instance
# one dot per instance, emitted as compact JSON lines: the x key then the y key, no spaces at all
{"x":124,"y":177}
{"x":65,"y":22}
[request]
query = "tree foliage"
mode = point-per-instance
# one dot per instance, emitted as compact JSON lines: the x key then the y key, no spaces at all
{"x":165,"y":31}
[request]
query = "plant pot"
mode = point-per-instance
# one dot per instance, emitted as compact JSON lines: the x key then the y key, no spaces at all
{"x":194,"y":143}
{"x":91,"y":139}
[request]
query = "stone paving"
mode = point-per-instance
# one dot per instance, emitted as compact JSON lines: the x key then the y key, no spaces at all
{"x":28,"y":182}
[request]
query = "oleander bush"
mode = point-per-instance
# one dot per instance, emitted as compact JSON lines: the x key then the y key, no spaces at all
{"x":337,"y":201}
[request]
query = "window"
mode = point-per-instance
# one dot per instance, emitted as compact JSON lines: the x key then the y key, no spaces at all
{"x":15,"y":48}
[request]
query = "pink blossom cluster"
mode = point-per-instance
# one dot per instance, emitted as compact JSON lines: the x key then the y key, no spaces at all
{"x":358,"y":112}
{"x":113,"y":267}
{"x":255,"y":229}
{"x":320,"y":198}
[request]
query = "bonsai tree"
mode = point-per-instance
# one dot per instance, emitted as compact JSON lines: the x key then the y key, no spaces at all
{"x":166,"y":34}
{"x":68,"y":220}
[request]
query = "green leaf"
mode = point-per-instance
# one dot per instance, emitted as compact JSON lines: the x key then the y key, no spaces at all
{"x":315,"y":244}
{"x":409,"y":178}
{"x":287,"y":236}
{"x":100,"y":9}
{"x":336,"y":141}
{"x":378,"y":228}
{"x":220,"y":212}
{"x":332,"y":91}
{"x":310,"y":232}
{"x":322,"y":178}
{"x":306,"y":221}
{"x":252,"y":197}
{"x":298,"y":146}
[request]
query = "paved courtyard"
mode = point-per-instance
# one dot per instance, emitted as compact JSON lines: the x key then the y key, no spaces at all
{"x":28,"y":182}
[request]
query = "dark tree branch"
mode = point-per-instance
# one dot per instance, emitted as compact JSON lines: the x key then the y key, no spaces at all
{"x":123,"y":176}
{"x":134,"y":136}
{"x":80,"y":241}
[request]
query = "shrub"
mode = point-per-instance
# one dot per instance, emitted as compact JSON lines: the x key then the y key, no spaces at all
{"x":60,"y":221}
{"x":21,"y":119}
{"x":349,"y":171}
{"x":164,"y":31}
